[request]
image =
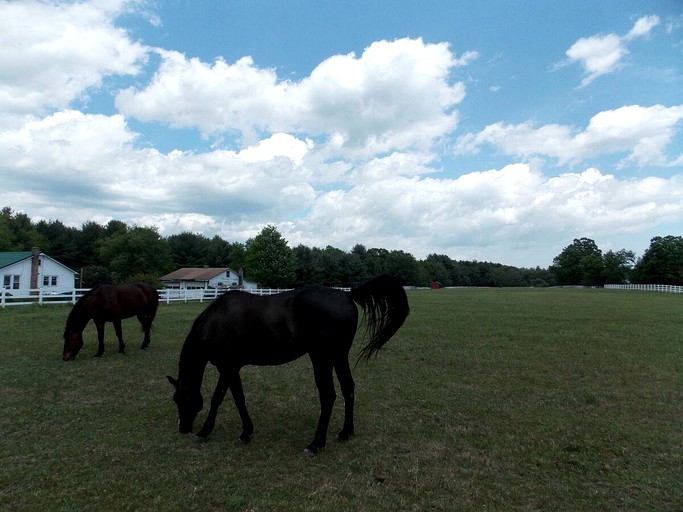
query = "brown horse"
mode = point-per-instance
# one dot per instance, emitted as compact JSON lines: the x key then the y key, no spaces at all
{"x":110,"y":303}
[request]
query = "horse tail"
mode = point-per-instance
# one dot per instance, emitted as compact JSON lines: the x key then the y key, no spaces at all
{"x":385,"y":308}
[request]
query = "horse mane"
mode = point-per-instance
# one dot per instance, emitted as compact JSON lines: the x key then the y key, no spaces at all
{"x":76,"y":314}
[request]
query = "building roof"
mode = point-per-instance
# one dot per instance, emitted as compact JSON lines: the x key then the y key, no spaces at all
{"x":10,"y":258}
{"x":193,"y":274}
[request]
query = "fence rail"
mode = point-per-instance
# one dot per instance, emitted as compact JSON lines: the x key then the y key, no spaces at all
{"x":666,"y":288}
{"x":41,"y":297}
{"x":168,"y":295}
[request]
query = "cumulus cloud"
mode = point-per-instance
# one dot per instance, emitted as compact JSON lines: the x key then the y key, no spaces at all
{"x":394,"y":96}
{"x":391,"y":202}
{"x":642,"y":133}
{"x":490,"y":213}
{"x":348,"y":154}
{"x":278,"y":145}
{"x":52,"y":53}
{"x":72,"y":155}
{"x":603,"y":54}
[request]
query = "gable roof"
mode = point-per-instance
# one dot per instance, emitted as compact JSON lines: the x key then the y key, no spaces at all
{"x":10,"y":258}
{"x":194,"y":274}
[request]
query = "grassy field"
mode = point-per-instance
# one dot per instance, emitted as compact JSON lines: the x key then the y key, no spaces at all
{"x":510,"y":399}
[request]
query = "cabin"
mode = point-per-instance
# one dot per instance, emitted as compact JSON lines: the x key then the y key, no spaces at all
{"x":24,"y":271}
{"x":204,"y":278}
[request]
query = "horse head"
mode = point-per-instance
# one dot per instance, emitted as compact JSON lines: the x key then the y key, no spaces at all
{"x":73,"y":342}
{"x":189,"y":403}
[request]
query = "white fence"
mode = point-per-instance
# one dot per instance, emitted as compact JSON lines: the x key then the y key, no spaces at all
{"x":666,"y":288}
{"x":39,"y":296}
{"x":168,"y":295}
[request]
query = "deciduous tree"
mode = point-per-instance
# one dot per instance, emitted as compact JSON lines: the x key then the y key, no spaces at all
{"x":580,"y":263}
{"x":138,"y":250}
{"x":618,"y":266}
{"x":269,"y":260}
{"x":662,"y":262}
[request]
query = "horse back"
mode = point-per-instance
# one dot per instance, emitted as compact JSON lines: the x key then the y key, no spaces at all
{"x":251,"y":329}
{"x":112,"y":302}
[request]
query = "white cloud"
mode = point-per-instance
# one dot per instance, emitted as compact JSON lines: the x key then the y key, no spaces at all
{"x":66,"y":142}
{"x":52,"y":53}
{"x":71,"y":155}
{"x":598,"y":55}
{"x":346,"y":155}
{"x":394,"y":96}
{"x":497,"y":214}
{"x":643,"y":27}
{"x":603,"y":54}
{"x":84,"y":167}
{"x":278,"y":145}
{"x":642,"y":133}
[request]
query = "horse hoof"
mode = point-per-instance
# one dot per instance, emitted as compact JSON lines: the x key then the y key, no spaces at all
{"x":312,"y":450}
{"x":200,"y":439}
{"x":344,"y":436}
{"x":309,"y":453}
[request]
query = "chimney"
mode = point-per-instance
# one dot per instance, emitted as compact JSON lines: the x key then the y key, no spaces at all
{"x":35,"y":264}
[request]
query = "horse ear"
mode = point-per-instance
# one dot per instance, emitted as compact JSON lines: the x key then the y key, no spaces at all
{"x":172,"y":381}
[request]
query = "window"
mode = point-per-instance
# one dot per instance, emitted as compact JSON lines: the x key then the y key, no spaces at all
{"x":49,"y":280}
{"x":10,"y":282}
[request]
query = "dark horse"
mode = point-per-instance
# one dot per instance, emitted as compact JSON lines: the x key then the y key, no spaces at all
{"x":240,"y":329}
{"x":109,"y":303}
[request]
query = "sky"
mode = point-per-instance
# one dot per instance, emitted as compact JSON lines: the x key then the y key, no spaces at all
{"x":482,"y":130}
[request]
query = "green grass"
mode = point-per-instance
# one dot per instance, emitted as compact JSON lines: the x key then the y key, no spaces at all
{"x":511,"y":399}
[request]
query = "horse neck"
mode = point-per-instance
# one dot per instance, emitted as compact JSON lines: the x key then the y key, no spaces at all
{"x":192,"y":363}
{"x":79,"y":317}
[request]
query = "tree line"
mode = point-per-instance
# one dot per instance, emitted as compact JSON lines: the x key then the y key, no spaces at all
{"x":583,"y":263}
{"x":119,"y":253}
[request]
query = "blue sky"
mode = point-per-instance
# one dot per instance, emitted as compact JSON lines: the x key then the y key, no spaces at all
{"x":495,"y":131}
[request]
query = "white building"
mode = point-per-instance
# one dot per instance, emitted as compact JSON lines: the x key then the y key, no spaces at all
{"x":32,"y":270}
{"x":204,"y":278}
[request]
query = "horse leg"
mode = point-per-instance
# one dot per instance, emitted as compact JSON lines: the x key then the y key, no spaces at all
{"x":240,"y":403}
{"x":322,"y":370}
{"x":99,"y":324}
{"x":119,"y":335}
{"x":146,"y":321}
{"x":216,"y":400}
{"x":348,"y":387}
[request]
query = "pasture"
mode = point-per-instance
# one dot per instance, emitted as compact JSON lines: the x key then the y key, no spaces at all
{"x":498,"y":399}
